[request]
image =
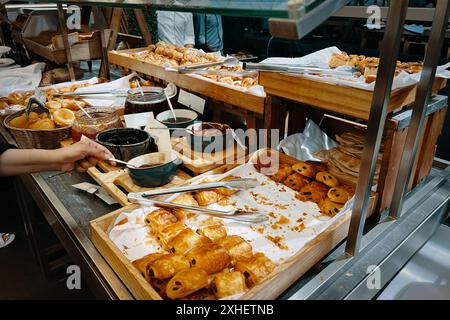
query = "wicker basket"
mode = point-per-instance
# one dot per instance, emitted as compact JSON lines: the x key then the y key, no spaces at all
{"x":39,"y":139}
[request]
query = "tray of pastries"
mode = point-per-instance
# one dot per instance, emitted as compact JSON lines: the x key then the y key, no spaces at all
{"x":177,"y":254}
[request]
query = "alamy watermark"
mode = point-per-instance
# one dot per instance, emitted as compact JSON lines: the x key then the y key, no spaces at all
{"x":374,"y":278}
{"x":73,"y":281}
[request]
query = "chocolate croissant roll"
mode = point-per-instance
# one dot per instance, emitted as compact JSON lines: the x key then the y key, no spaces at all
{"x":186,"y":199}
{"x":186,"y":282}
{"x":159,"y":286}
{"x":207,"y":197}
{"x":255,"y":268}
{"x":210,"y":257}
{"x":237,"y":247}
{"x":185,"y":241}
{"x":227,"y":284}
{"x":143,"y":263}
{"x":167,"y":266}
{"x":213,"y":232}
{"x":168,"y":233}
{"x":158,"y":219}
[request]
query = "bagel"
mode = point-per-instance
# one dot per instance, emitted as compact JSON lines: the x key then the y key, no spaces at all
{"x":43,"y":124}
{"x":64,"y":117}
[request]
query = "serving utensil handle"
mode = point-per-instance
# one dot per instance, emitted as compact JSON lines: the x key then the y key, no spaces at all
{"x":230,"y":215}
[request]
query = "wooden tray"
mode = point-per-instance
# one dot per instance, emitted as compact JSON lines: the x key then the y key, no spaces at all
{"x":209,"y":89}
{"x":282,"y":278}
{"x":118,"y":183}
{"x":335,"y":98}
{"x":198,"y":162}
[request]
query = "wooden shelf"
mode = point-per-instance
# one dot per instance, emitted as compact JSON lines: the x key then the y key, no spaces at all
{"x":206,"y":88}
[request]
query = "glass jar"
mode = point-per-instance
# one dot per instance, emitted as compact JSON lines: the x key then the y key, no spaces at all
{"x":153,"y":100}
{"x":101,"y":119}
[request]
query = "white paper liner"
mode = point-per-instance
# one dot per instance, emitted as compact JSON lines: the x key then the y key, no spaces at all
{"x":133,"y":240}
{"x":320,"y":59}
{"x":20,"y":79}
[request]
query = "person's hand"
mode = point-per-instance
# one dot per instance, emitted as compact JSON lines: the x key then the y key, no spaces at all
{"x":81,"y":156}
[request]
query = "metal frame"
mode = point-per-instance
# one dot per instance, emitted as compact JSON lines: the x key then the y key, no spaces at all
{"x":377,"y":119}
{"x":423,"y":93}
{"x":63,"y":26}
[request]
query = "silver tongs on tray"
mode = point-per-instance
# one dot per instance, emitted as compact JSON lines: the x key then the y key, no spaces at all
{"x":240,"y":184}
{"x":237,"y":215}
{"x":298,"y":69}
{"x":228,"y":62}
{"x":109,"y":93}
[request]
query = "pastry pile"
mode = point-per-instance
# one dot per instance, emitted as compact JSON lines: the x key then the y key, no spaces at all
{"x":344,"y":161}
{"x":368,"y":66}
{"x":313,"y":182}
{"x":203,"y":264}
{"x":165,"y":53}
{"x":235,"y":80}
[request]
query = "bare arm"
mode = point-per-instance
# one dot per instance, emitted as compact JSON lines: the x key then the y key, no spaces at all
{"x":79,"y":156}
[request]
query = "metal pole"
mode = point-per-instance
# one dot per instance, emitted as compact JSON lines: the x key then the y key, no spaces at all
{"x":423,"y":93}
{"x":377,"y":119}
{"x":63,"y":26}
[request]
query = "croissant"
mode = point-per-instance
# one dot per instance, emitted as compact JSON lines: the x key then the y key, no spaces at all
{"x":143,"y":263}
{"x":158,"y":219}
{"x":227,"y":284}
{"x":187,"y":282}
{"x":237,"y":247}
{"x":255,"y":268}
{"x":185,"y":241}
{"x":210,"y":257}
{"x":167,"y":266}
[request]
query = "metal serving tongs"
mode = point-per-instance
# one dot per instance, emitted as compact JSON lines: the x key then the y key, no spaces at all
{"x":95,"y":94}
{"x":228,"y":62}
{"x":237,"y":215}
{"x":39,"y":99}
{"x":297,"y":69}
{"x":240,"y":184}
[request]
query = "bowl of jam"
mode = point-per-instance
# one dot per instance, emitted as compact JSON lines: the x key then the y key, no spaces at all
{"x":154,"y":169}
{"x":184,"y":118}
{"x":99,"y":119}
{"x":210,"y":137}
{"x":127,"y":143}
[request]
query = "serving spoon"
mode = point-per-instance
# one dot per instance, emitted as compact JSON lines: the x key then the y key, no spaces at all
{"x":123,"y":162}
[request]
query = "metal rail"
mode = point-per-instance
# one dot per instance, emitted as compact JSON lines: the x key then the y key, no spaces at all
{"x":377,"y":119}
{"x":423,"y":93}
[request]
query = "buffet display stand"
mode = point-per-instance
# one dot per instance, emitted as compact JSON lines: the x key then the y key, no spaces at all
{"x":386,"y":243}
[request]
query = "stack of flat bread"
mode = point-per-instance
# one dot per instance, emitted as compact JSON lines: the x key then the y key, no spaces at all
{"x":344,"y":161}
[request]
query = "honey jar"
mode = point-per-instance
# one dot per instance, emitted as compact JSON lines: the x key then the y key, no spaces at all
{"x":101,"y":119}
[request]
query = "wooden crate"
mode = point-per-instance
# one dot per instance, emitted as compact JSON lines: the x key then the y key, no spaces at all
{"x":198,"y":162}
{"x":334,"y":98}
{"x":282,"y":278}
{"x":209,"y":89}
{"x":83,"y":50}
{"x":395,"y":132}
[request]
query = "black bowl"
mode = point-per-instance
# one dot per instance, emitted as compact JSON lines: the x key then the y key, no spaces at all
{"x":208,"y":137}
{"x":126,"y":143}
{"x":157,"y":169}
{"x":185,"y":118}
